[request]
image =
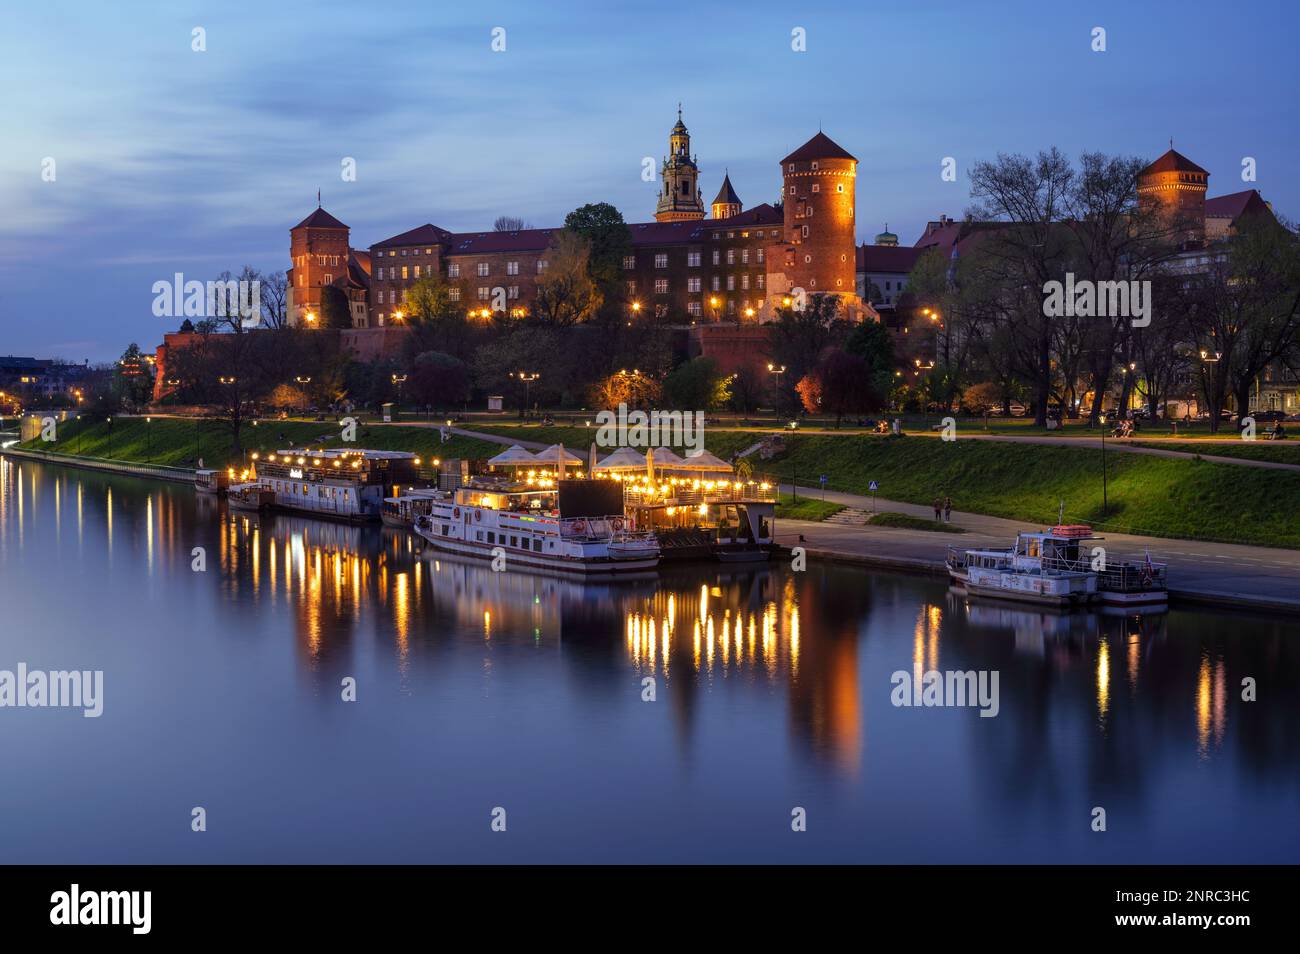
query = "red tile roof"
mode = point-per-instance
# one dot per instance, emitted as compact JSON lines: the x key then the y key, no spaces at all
{"x":1234,"y":206}
{"x":820,"y":146}
{"x":421,"y":235}
{"x":320,"y":219}
{"x":887,"y":258}
{"x":1173,"y":162}
{"x":523,"y":240}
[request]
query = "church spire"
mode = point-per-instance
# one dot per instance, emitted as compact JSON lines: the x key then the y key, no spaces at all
{"x":679,"y":199}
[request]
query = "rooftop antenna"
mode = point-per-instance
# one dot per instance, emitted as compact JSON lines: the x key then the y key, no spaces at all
{"x":318,"y":198}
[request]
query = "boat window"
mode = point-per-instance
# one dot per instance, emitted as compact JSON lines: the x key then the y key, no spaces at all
{"x":537,"y":546}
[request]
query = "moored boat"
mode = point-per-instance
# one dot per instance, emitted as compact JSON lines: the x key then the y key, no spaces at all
{"x":212,"y":481}
{"x":573,"y":527}
{"x":1052,"y":568}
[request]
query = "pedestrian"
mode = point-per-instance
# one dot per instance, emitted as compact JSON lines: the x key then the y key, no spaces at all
{"x":938,"y":505}
{"x":947,"y":510}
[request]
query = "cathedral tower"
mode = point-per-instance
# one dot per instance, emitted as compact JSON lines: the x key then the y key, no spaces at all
{"x":679,"y":199}
{"x":727,"y":203}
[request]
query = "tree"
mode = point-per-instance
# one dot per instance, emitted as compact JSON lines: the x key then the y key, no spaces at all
{"x":133,"y":377}
{"x":746,"y":390}
{"x":509,"y":223}
{"x":274,"y":291}
{"x":632,"y":388}
{"x":841,"y":384}
{"x":439,"y":380}
{"x":437,"y":319}
{"x":797,"y":340}
{"x":871,"y":341}
{"x":566,"y":292}
{"x":608,"y":240}
{"x":696,"y":384}
{"x":334,"y":309}
{"x":286,"y":397}
{"x":809,"y":390}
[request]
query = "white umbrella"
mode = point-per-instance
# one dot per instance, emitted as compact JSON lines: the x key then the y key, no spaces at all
{"x":514,"y":456}
{"x":703,"y":460}
{"x":650,"y":467}
{"x":552,"y":454}
{"x":666,"y":458}
{"x":623,"y":459}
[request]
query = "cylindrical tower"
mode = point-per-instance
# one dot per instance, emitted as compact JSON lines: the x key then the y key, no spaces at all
{"x":818,"y":193}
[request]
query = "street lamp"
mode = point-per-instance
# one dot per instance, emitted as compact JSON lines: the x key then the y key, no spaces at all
{"x":110,"y":438}
{"x":528,"y":377}
{"x":399,"y":380}
{"x":148,"y":440}
{"x":713,"y":305}
{"x":1105,"y":506}
{"x":311,"y":317}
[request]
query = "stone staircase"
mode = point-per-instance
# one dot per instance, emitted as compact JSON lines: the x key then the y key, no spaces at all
{"x":849,"y":516}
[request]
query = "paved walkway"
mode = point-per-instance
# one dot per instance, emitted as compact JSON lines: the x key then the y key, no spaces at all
{"x":1261,"y":577}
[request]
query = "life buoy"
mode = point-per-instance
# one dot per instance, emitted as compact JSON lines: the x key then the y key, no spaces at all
{"x":455,"y":513}
{"x":616,"y":523}
{"x":579,"y":526}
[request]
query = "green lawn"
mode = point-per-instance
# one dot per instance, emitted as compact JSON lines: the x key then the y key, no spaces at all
{"x":179,"y":442}
{"x":805,"y":508}
{"x":890,"y":518}
{"x":1281,"y":452}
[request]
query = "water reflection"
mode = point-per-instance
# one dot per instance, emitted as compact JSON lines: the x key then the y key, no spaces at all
{"x":759,"y":666}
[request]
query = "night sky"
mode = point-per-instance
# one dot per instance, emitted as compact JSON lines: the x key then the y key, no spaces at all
{"x":168,"y":160}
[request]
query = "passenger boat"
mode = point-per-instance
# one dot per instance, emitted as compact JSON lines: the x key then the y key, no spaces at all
{"x":346,"y":484}
{"x":565,"y":526}
{"x":1052,"y":568}
{"x":401,"y":511}
{"x":249,"y":496}
{"x":212,"y":481}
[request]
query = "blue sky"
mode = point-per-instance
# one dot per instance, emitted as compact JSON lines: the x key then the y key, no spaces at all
{"x":172,"y":160}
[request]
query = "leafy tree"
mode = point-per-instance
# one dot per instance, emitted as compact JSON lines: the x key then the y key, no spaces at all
{"x":871,"y":341}
{"x":439,"y":379}
{"x":609,"y":240}
{"x":566,"y":291}
{"x":746,"y":390}
{"x":437,"y":320}
{"x":696,"y":385}
{"x":632,"y":388}
{"x":133,"y":377}
{"x":334,"y":309}
{"x":798,"y":338}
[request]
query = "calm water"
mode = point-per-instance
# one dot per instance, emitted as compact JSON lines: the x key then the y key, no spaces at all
{"x":480,"y":689}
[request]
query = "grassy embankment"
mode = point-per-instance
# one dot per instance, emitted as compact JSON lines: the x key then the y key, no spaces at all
{"x":179,"y":443}
{"x":805,"y":508}
{"x":1280,"y":452}
{"x":1159,"y":496}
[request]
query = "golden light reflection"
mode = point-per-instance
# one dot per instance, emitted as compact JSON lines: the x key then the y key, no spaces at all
{"x":1103,"y":679}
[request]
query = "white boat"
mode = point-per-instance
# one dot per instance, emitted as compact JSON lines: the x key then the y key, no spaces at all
{"x":1053,"y":568}
{"x":342,"y":483}
{"x":577,"y":527}
{"x":401,"y":511}
{"x":215,"y":482}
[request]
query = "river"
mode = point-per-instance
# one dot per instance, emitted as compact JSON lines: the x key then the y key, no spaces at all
{"x":526,"y":699}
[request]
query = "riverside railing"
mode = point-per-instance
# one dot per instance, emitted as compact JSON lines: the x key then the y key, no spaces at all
{"x":157,"y":471}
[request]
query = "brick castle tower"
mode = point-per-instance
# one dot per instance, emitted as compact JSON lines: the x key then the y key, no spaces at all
{"x":818,"y":194}
{"x":318,"y":247}
{"x":1175,"y":186}
{"x":679,"y":199}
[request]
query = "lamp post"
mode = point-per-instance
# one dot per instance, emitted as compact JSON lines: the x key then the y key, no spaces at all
{"x":1105,"y":505}
{"x":528,"y":377}
{"x":774,"y":370}
{"x":399,"y":380}
{"x":110,"y":438}
{"x":148,"y":440}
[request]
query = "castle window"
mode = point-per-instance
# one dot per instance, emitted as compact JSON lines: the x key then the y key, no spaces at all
{"x":661,"y":286}
{"x":629,"y":261}
{"x":759,"y":252}
{"x":417,"y":271}
{"x":817,"y":187}
{"x":792,"y":167}
{"x":512,"y":268}
{"x":759,"y":280}
{"x":805,"y":231}
{"x":839,"y":187}
{"x":808,"y":210}
{"x":731,"y":283}
{"x":814,"y":165}
{"x":482,"y":269}
{"x":693,"y":284}
{"x":512,"y":291}
{"x":792,"y":190}
{"x":404,"y":273}
{"x":541,"y":265}
{"x":744,"y":256}
{"x":661,"y":260}
{"x":631,"y":287}
{"x":731,"y":256}
{"x":744,"y":282}
{"x":693,"y":259}
{"x":428,"y":251}
{"x":403,"y":253}
{"x":483,"y":292}
{"x":453,"y":270}
{"x":329,"y":279}
{"x":453,"y":294}
{"x":717,"y":256}
{"x":320,"y":259}
{"x":715,"y":283}
{"x":693,"y":308}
